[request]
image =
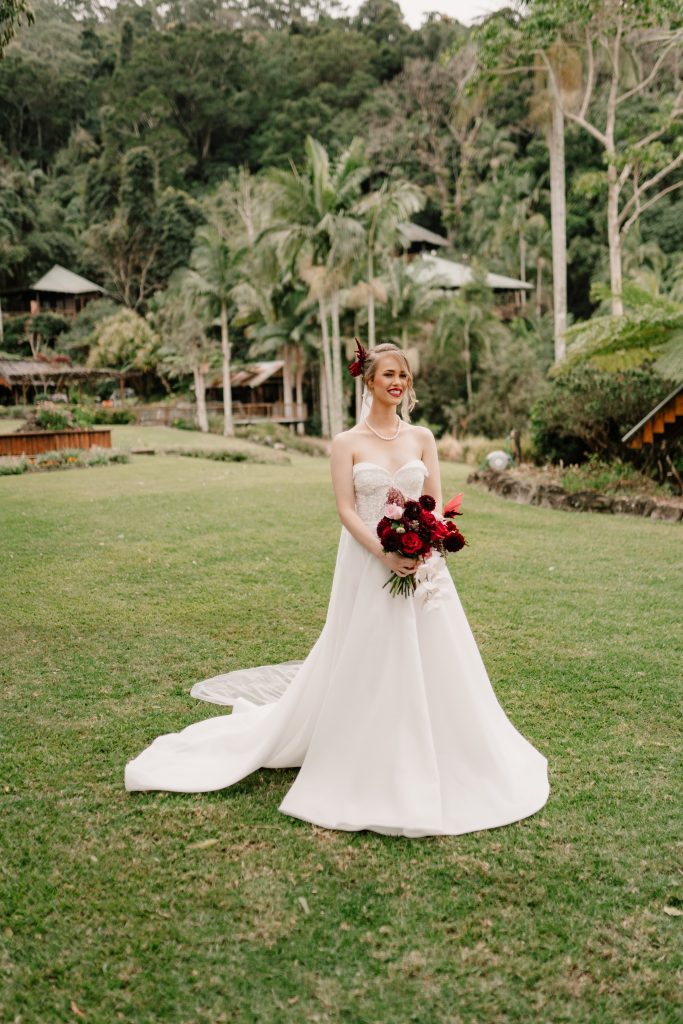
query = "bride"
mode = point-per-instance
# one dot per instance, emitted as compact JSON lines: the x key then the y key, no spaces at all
{"x":391,"y":718}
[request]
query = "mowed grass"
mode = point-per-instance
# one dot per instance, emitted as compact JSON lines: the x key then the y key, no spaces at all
{"x":123,"y":585}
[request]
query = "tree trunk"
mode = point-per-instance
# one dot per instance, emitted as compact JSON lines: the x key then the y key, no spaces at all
{"x":2,"y":332}
{"x":299,"y":389}
{"x":371,"y":303}
{"x":614,"y":240}
{"x":228,"y":425}
{"x":358,"y":396}
{"x":467,"y":356}
{"x":287,"y":382}
{"x":324,"y":403}
{"x":539,"y":285}
{"x":522,"y":267}
{"x":198,"y":372}
{"x":327,"y":391}
{"x":338,"y":392}
{"x":558,"y":223}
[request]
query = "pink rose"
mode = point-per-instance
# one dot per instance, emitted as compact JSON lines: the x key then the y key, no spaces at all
{"x":393,"y":511}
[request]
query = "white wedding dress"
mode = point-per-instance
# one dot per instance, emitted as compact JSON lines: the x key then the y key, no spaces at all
{"x":391,"y":718}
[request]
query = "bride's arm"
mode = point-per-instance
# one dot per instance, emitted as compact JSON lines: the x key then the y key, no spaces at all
{"x":342,"y":482}
{"x":430,"y":458}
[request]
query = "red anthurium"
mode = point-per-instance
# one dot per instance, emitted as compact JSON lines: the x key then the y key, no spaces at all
{"x":453,"y":506}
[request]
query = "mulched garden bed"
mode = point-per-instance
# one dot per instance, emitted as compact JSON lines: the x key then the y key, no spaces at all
{"x":530,"y":486}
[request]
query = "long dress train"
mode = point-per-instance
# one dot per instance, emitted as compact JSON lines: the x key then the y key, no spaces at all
{"x":391,"y":718}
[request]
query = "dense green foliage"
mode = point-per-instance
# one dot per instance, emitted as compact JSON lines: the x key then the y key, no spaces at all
{"x":165,"y":908}
{"x":256,"y":159}
{"x":586,"y":409}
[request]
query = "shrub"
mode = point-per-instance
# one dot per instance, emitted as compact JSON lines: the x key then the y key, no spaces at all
{"x":51,"y":419}
{"x":598,"y":475}
{"x":12,"y":466}
{"x":82,"y":417}
{"x":182,"y":424}
{"x":114,"y":417}
{"x":585,"y":410}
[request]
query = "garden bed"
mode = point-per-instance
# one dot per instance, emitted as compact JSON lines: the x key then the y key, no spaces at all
{"x":34,"y":442}
{"x":531,"y":486}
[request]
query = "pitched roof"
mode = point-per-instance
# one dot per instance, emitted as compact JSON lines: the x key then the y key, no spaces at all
{"x":64,"y":281}
{"x":13,"y":371}
{"x":416,"y":233}
{"x":250,"y":375}
{"x":436,"y":272}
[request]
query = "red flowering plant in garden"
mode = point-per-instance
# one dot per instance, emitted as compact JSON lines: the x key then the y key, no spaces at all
{"x":415,"y":530}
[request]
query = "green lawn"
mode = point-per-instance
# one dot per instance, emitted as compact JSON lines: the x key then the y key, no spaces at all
{"x":125,"y":584}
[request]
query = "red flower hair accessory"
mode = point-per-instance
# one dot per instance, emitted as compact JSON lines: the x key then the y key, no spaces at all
{"x":356,"y":367}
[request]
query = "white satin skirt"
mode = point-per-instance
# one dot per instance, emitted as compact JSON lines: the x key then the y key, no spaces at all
{"x":391,"y":719}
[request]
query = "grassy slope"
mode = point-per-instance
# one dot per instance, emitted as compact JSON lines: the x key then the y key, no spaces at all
{"x":123,"y":585}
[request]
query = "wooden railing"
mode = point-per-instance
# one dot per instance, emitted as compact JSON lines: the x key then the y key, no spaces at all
{"x":243,"y":412}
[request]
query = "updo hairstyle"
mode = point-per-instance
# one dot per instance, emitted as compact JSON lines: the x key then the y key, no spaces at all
{"x":370,"y":368}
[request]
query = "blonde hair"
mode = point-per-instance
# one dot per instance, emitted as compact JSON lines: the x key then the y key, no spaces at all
{"x":370,"y":368}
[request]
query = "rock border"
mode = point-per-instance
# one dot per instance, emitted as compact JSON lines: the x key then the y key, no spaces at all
{"x":506,"y":485}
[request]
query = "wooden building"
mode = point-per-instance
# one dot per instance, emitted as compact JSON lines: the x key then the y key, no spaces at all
{"x":258,"y":393}
{"x":60,"y":291}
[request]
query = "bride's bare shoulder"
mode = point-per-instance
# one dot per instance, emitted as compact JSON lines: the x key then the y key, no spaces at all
{"x":346,"y":438}
{"x":423,"y":433}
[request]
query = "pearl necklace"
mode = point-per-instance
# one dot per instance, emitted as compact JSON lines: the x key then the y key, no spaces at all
{"x":381,"y":436}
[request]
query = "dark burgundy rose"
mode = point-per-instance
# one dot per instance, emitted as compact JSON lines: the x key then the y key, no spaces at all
{"x":454,"y":541}
{"x":412,"y":510}
{"x":382,"y":525}
{"x":427,"y":502}
{"x":391,"y":541}
{"x":411,"y":543}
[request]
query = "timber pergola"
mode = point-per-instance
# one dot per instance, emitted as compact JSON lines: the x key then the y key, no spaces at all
{"x":665,"y":419}
{"x":20,"y":374}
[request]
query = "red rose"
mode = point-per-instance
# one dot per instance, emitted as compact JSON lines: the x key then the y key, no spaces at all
{"x":427,"y":519}
{"x":440,"y":531}
{"x":411,"y":543}
{"x":427,"y":502}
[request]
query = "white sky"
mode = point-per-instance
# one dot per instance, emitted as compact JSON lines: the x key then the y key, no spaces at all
{"x":465,"y":11}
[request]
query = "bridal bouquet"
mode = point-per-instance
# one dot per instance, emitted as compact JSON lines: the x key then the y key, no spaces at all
{"x":415,"y":530}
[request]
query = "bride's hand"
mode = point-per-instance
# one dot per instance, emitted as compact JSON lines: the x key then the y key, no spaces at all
{"x":399,"y":564}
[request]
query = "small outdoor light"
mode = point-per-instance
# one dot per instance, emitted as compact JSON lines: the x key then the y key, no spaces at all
{"x":498,"y":461}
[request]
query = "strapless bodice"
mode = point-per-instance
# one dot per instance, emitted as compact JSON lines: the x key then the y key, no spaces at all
{"x":372,"y":482}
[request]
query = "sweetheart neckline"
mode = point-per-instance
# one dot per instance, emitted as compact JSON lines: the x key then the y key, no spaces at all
{"x":384,"y":469}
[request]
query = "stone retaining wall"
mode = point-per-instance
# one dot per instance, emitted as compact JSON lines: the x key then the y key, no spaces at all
{"x":528,"y":492}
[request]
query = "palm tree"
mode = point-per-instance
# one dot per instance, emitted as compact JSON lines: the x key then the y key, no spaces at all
{"x":382,"y":211}
{"x":407,"y":308}
{"x":469,"y":320}
{"x":215,"y":270}
{"x":270,"y":307}
{"x":317,"y":231}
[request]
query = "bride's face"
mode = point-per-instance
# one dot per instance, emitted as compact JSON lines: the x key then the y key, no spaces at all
{"x":390,"y":382}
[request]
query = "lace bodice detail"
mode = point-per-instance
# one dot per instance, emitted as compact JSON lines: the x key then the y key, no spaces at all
{"x":371,"y":483}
